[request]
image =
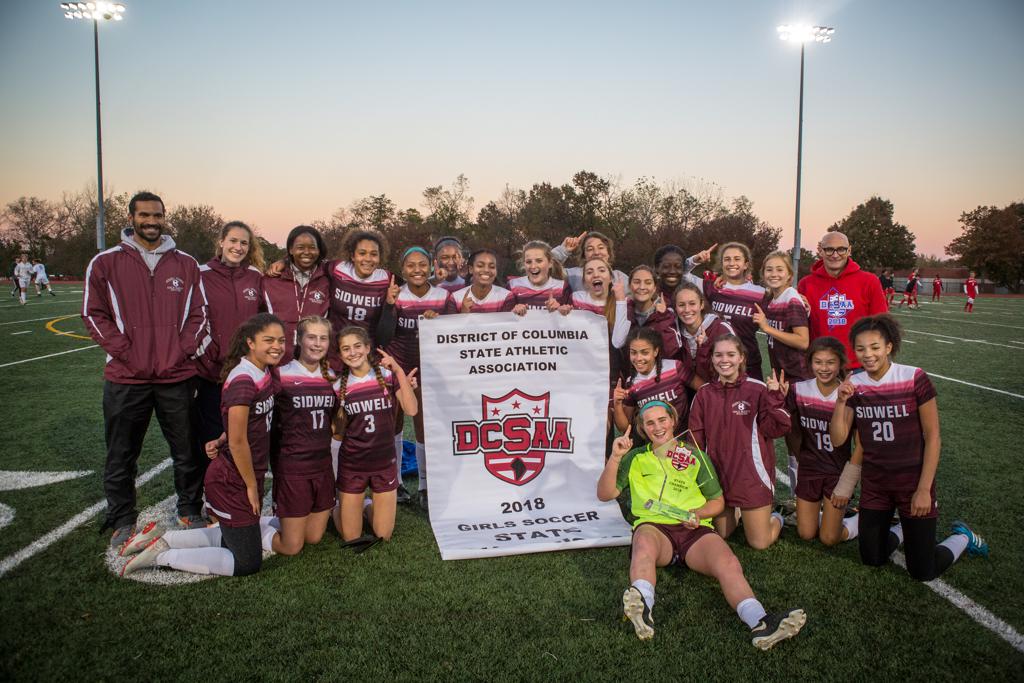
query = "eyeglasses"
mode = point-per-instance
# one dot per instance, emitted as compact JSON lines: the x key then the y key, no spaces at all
{"x":833,"y":251}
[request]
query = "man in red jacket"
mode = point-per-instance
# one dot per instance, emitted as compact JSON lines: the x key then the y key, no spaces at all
{"x":145,"y":307}
{"x":839,"y":292}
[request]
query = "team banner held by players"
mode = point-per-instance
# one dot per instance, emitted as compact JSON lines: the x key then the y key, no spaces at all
{"x":514,"y":412}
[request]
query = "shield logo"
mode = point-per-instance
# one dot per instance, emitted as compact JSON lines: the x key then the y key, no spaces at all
{"x":515,"y":467}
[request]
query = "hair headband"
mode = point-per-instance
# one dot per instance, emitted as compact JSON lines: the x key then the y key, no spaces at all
{"x":651,"y":404}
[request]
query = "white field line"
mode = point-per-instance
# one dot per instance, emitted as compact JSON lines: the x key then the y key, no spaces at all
{"x":975,"y":611}
{"x":50,"y":355}
{"x":971,"y":341}
{"x":909,"y":341}
{"x":15,"y":480}
{"x":22,"y":332}
{"x":41,"y":303}
{"x":942,"y":341}
{"x":30,"y":320}
{"x":45,"y":541}
{"x":976,"y":386}
{"x":960,"y":320}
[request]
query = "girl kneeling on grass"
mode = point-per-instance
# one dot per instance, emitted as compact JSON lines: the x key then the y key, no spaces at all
{"x":894,"y":411}
{"x":368,"y":386}
{"x":735,"y":419}
{"x":674,"y":494}
{"x":821,"y":463}
{"x":234,"y":480}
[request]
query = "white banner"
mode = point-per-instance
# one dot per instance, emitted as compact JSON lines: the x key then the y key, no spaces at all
{"x":515,"y":410}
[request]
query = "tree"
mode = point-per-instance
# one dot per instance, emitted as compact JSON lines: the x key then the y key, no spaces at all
{"x":449,"y":208}
{"x":875,"y":239}
{"x":32,"y":222}
{"x":196,"y":230}
{"x":376,"y":212}
{"x":992,"y":243}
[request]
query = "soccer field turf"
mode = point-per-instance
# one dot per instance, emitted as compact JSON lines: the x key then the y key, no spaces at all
{"x":400,"y":612}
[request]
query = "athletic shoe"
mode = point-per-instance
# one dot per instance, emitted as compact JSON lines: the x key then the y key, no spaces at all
{"x":636,"y":610}
{"x":141,"y":539}
{"x":777,"y":627}
{"x":976,"y":545}
{"x":147,"y":558}
{"x":193,"y":522}
{"x":403,"y":495}
{"x":121,"y":535}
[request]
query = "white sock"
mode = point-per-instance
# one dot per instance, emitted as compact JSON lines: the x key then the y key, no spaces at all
{"x":646,"y":590}
{"x":421,"y":465}
{"x":267,"y":533}
{"x":194,"y":538}
{"x":750,"y":612}
{"x":957,"y":544}
{"x":792,"y":474}
{"x":778,"y":516}
{"x":897,"y":530}
{"x":218,"y":561}
{"x":335,"y":454}
{"x":23,"y":297}
{"x":852,"y":526}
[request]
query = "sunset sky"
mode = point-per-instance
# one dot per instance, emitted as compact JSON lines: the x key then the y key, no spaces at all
{"x":278,"y":113}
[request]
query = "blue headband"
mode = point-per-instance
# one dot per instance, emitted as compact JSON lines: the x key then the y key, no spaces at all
{"x":651,"y":404}
{"x":410,"y":250}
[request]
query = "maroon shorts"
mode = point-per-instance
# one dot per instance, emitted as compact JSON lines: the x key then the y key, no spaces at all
{"x":742,"y":485}
{"x":812,"y":486}
{"x":225,"y":494}
{"x":889,"y":490}
{"x":300,"y":496}
{"x":380,"y":481}
{"x":680,"y":537}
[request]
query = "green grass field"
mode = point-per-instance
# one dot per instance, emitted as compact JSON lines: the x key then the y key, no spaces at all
{"x":399,"y":612}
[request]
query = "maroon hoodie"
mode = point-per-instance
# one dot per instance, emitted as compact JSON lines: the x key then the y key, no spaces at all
{"x":736,"y":423}
{"x":147,"y":311}
{"x":233,"y":295}
{"x":662,"y":322}
{"x":290,"y":301}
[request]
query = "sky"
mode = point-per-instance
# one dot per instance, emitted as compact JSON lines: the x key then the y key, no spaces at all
{"x":279,"y":113}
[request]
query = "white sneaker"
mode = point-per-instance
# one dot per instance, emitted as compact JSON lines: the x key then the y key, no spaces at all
{"x":141,"y":539}
{"x":146,"y":558}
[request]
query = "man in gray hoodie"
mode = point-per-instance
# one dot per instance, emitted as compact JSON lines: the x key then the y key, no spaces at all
{"x":145,"y":306}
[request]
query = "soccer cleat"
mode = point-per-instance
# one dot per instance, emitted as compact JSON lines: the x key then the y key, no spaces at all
{"x":403,"y":495}
{"x":141,"y":539}
{"x":121,"y":535}
{"x":147,"y":558}
{"x":777,"y":627}
{"x":635,"y":608}
{"x":976,"y":545}
{"x":193,"y":522}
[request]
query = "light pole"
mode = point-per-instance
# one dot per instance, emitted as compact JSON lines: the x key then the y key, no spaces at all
{"x":801,"y":34}
{"x":96,"y":12}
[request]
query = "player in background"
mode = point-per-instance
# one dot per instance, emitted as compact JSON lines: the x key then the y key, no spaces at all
{"x":416,"y":297}
{"x":786,"y":324}
{"x":971,"y":290}
{"x":651,"y":376}
{"x":885,"y":279}
{"x":234,"y":480}
{"x":603,"y":294}
{"x":15,"y":290}
{"x":669,"y":262}
{"x":695,"y":329}
{"x":483,"y":296}
{"x":543,"y":287}
{"x":368,"y":386}
{"x":648,"y":308}
{"x":302,"y":288}
{"x":41,"y":278}
{"x":937,"y":288}
{"x":735,"y":420}
{"x":585,"y":246}
{"x":894,"y":411}
{"x":737,"y":299}
{"x":910,"y":290}
{"x":821,"y":464}
{"x":23,"y":276}
{"x":449,"y":264}
{"x":674,"y":495}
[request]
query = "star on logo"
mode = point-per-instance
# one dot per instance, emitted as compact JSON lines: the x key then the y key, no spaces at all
{"x":516,"y":404}
{"x":495,"y":411}
{"x":536,"y":410}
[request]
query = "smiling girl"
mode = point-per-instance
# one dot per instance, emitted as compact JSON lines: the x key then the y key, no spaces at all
{"x":600,"y":296}
{"x":586,"y":246}
{"x":695,"y":329}
{"x":894,"y":411}
{"x":669,"y":262}
{"x":483,"y":296}
{"x":648,"y":307}
{"x":542,"y":287}
{"x":735,"y":419}
{"x":234,"y":480}
{"x":652,"y":377}
{"x":301,"y":287}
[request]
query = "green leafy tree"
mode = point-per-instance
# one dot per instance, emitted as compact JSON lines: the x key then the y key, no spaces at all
{"x":876,"y":240}
{"x":31,"y":222}
{"x":992,"y":243}
{"x":196,"y":230}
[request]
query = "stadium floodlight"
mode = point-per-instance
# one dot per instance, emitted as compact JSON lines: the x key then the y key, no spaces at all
{"x":96,"y":12}
{"x":803,"y":34}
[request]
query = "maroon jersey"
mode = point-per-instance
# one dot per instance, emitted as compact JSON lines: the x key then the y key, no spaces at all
{"x":669,"y":387}
{"x":695,"y":350}
{"x":498,"y":300}
{"x":247,"y":385}
{"x":291,"y":302}
{"x":533,"y":296}
{"x":886,"y":417}
{"x":354,"y":300}
{"x":368,"y":444}
{"x":405,"y":345}
{"x":971,"y":288}
{"x":813,"y":412}
{"x":734,"y":304}
{"x":305,"y":404}
{"x":785,"y":313}
{"x":233,"y":295}
{"x":662,"y":322}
